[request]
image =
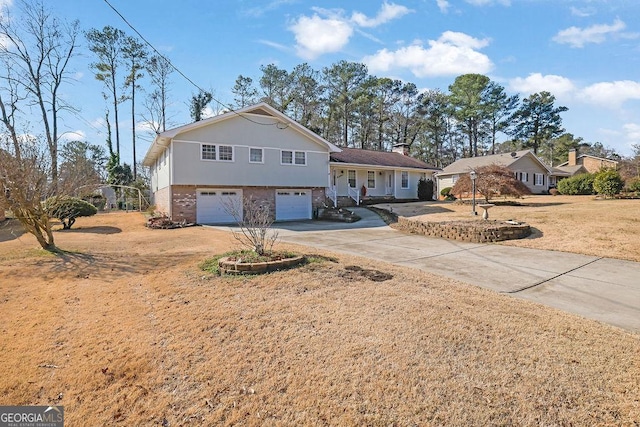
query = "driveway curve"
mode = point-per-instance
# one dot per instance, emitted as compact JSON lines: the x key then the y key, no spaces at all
{"x":603,"y":289}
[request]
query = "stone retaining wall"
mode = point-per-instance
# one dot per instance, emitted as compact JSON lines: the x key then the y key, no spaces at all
{"x":476,"y":231}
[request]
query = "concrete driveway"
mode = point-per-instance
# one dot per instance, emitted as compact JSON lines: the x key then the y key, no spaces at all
{"x":598,"y":288}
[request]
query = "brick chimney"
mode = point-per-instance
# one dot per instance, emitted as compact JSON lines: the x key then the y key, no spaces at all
{"x":572,"y":157}
{"x":401,"y":148}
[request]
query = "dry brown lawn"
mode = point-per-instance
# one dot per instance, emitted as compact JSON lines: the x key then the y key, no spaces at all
{"x":124,"y":329}
{"x":579,"y":224}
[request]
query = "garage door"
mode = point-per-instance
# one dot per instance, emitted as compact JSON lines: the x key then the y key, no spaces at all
{"x":293,"y":204}
{"x":214,"y":206}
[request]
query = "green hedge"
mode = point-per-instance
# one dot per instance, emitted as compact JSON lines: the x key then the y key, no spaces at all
{"x":608,"y":182}
{"x":579,"y":184}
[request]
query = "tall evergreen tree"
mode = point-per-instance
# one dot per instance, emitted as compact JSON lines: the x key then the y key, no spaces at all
{"x":107,"y":44}
{"x":468,"y":99}
{"x":198,"y":104}
{"x":537,"y":120}
{"x":135,"y":53}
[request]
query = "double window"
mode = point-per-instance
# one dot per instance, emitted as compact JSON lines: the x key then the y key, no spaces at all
{"x":522,"y":176}
{"x":290,"y":157}
{"x":538,"y":179}
{"x":223,"y":153}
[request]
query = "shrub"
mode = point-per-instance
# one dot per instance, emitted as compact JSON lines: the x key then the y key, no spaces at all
{"x":67,"y":209}
{"x":579,"y":184}
{"x":425,"y":189}
{"x":633,"y":184}
{"x":445,"y":191}
{"x":553,"y":191}
{"x":608,"y":182}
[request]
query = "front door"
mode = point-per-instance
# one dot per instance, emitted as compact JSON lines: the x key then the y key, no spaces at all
{"x":389,"y":183}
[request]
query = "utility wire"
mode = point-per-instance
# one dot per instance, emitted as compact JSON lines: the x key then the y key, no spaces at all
{"x":180,"y":72}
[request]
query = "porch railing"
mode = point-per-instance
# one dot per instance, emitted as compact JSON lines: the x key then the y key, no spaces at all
{"x":354,"y":193}
{"x":332,"y":193}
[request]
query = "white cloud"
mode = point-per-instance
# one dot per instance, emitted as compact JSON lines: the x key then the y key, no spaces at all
{"x":76,"y":135}
{"x":316,"y":36}
{"x":611,"y":94}
{"x":388,"y":12}
{"x":536,"y":82}
{"x":578,"y":37}
{"x":632,"y":133}
{"x":489,"y":2}
{"x":452,"y":54}
{"x":443,"y":5}
{"x":582,"y":12}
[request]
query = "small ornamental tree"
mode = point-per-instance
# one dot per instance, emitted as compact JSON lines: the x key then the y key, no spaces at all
{"x":67,"y":209}
{"x":608,"y":182}
{"x":492,"y":180}
{"x":425,"y":189}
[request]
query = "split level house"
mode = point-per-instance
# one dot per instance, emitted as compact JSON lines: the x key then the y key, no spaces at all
{"x":526,"y":167}
{"x":200,"y":170}
{"x":577,"y":164}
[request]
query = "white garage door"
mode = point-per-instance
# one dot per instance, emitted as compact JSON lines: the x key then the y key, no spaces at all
{"x":213,"y":205}
{"x":293,"y":204}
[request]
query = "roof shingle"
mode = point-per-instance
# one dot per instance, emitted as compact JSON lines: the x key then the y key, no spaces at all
{"x":359,"y":156}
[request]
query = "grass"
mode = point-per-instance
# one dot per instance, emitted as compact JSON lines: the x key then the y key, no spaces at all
{"x":128,"y":331}
{"x":578,"y":224}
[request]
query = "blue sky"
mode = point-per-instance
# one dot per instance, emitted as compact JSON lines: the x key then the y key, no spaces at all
{"x":585,"y":52}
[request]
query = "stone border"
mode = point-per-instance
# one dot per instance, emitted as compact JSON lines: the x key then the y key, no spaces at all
{"x":468,"y":231}
{"x":228,"y":266}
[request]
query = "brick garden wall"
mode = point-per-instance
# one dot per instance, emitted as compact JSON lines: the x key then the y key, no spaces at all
{"x":476,"y":232}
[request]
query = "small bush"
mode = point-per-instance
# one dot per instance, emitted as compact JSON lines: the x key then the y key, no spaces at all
{"x":425,"y":189}
{"x":579,"y":184}
{"x":67,"y":209}
{"x":633,"y":185}
{"x":445,"y":191}
{"x":553,"y":191}
{"x":608,"y":182}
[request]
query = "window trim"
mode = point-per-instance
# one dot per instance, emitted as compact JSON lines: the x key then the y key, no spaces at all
{"x":233,"y":153}
{"x":535,"y":179}
{"x":355,"y":178}
{"x":215,"y":152}
{"x":402,"y":186}
{"x":261,"y":155}
{"x":293,"y":158}
{"x":370,"y":180}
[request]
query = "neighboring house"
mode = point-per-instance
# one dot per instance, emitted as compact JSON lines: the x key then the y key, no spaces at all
{"x":577,"y":164}
{"x":383,"y":174}
{"x":526,"y":166}
{"x":201,"y":170}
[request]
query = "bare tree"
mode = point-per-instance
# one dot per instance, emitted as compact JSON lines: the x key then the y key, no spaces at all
{"x":24,"y":184}
{"x":159,"y":69}
{"x":254,"y":219}
{"x":36,"y":52}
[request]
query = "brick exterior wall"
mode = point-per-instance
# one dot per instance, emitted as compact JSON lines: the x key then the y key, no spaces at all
{"x":183,"y":202}
{"x":162,"y":200}
{"x":183,"y":199}
{"x":594,"y":165}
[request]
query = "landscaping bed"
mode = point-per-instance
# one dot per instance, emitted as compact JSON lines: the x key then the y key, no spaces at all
{"x":469,"y":231}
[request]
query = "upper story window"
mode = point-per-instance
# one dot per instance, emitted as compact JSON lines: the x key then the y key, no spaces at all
{"x":256,"y":155}
{"x":216,"y":152}
{"x":405,"y":179}
{"x":371,"y":179}
{"x":290,"y":157}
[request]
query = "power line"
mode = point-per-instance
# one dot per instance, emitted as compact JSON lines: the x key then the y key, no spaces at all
{"x":179,"y":71}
